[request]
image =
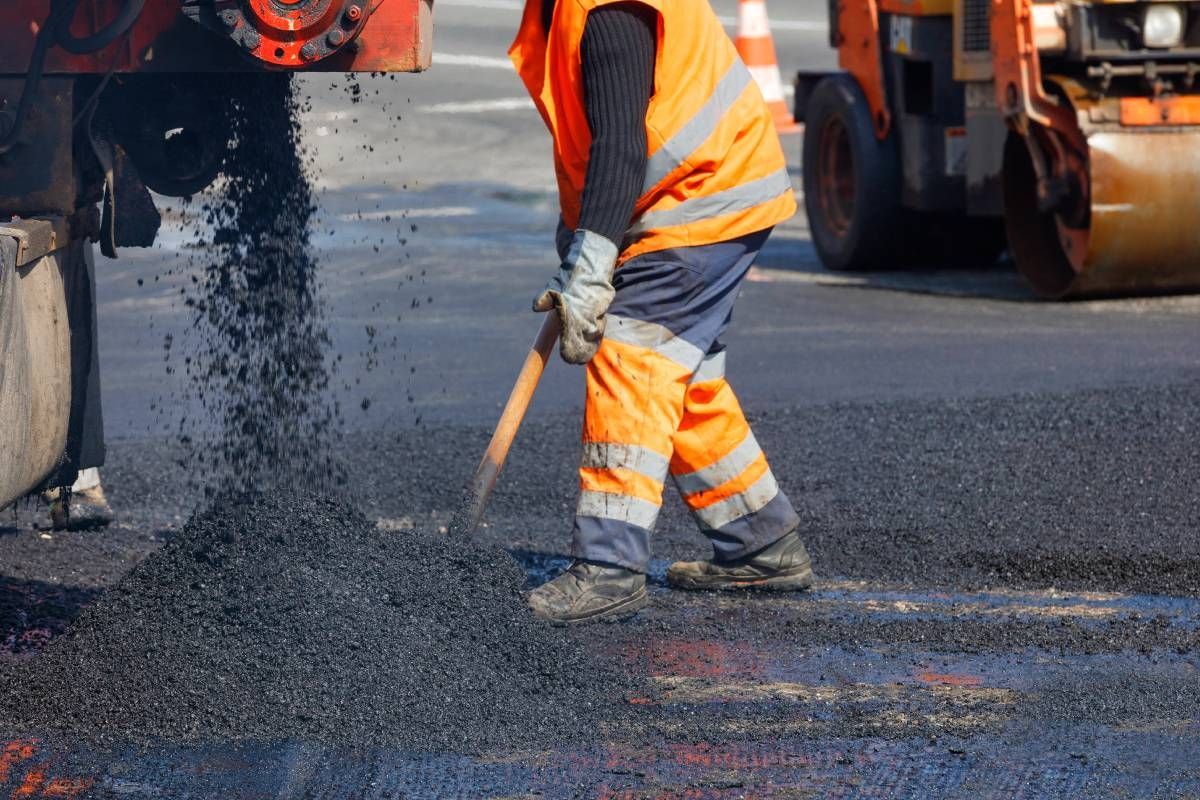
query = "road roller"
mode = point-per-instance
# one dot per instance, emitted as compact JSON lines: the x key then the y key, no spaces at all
{"x":104,"y":105}
{"x":1067,"y":132}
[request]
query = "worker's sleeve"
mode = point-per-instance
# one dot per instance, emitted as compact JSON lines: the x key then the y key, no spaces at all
{"x":619,"y":44}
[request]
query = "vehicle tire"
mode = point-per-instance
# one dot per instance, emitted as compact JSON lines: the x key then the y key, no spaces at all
{"x":852,"y":180}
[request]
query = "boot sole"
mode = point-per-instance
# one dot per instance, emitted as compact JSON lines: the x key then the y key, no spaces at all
{"x":76,"y":524}
{"x":621,"y":610}
{"x":794,"y":580}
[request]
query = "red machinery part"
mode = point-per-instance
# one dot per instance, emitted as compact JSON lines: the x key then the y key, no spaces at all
{"x":291,"y":33}
{"x":233,"y":35}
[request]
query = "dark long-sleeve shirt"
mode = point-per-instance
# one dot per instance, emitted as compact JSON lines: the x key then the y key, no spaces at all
{"x":618,"y":53}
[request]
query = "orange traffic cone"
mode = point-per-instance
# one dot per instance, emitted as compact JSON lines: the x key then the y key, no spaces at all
{"x":757,"y":49}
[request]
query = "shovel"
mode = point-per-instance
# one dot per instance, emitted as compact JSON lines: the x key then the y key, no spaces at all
{"x":467,"y":518}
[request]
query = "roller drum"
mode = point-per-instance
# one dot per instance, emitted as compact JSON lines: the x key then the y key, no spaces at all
{"x":1145,"y":213}
{"x":1142,"y":233}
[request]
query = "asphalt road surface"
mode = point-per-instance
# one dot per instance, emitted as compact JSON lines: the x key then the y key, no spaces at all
{"x":1000,"y":494}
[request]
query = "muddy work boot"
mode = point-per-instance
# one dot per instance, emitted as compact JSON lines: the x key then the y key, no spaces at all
{"x":783,"y":566}
{"x":590,"y":592}
{"x":82,"y":508}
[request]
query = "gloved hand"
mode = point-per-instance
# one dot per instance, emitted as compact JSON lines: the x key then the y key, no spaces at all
{"x":581,"y":292}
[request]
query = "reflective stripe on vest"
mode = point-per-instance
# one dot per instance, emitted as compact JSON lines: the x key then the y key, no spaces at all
{"x":695,"y":133}
{"x":697,"y":209}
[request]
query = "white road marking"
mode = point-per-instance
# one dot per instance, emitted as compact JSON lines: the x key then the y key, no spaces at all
{"x":465,"y":60}
{"x":480,"y":106}
{"x":409,"y":213}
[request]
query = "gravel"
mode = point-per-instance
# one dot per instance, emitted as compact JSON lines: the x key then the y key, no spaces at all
{"x":269,"y":619}
{"x":257,"y":356}
{"x":280,"y":615}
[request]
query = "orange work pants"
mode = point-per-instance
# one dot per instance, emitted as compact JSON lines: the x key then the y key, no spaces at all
{"x":658,"y":404}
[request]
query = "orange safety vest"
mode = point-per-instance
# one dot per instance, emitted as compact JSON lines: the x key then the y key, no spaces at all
{"x":715,"y":167}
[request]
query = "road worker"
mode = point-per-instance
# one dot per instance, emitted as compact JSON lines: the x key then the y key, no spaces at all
{"x":671,"y":177}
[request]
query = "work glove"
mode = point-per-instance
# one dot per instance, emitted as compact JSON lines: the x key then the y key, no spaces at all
{"x":581,"y":292}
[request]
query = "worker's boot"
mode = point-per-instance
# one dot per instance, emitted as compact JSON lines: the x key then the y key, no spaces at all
{"x":590,"y":592}
{"x":82,"y":508}
{"x":782,"y":566}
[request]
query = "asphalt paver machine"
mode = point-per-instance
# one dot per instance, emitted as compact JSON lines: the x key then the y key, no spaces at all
{"x":1068,"y":130}
{"x":102,"y":101}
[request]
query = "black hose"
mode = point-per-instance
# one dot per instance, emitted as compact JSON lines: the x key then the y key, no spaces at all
{"x":33,"y":76}
{"x":55,"y":30}
{"x":102,"y":38}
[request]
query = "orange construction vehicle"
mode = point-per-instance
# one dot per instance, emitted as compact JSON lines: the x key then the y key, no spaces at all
{"x":101,"y":101}
{"x":1069,"y":129}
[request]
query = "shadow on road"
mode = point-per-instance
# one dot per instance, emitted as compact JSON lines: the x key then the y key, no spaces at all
{"x":34,"y":612}
{"x":794,"y":259}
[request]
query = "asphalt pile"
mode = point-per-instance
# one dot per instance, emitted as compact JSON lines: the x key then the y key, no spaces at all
{"x":270,"y":618}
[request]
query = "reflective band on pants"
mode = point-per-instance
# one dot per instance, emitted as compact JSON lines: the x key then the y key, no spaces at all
{"x":617,"y":507}
{"x":711,"y":368}
{"x":753,"y":499}
{"x":613,"y":455}
{"x":734,"y":480}
{"x":722,"y":471}
{"x":651,"y":336}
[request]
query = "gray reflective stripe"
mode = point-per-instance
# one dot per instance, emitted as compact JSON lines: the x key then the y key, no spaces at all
{"x":611,"y":455}
{"x":722,"y":471}
{"x":653,"y":337}
{"x":619,"y":507}
{"x":755,"y":498}
{"x":739,"y":198}
{"x":699,"y":128}
{"x":711,"y":368}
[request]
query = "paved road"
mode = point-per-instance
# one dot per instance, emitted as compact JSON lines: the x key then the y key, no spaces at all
{"x":459,"y":154}
{"x":1000,"y":494}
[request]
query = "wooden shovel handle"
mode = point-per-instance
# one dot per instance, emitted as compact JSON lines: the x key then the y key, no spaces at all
{"x":480,"y":489}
